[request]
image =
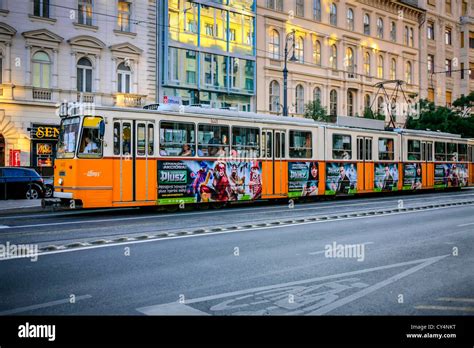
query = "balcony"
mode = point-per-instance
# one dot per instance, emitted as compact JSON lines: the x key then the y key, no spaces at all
{"x":86,"y":97}
{"x":42,"y":94}
{"x":129,"y":100}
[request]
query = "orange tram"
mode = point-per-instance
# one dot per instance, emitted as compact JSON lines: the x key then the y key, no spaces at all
{"x":173,"y":155}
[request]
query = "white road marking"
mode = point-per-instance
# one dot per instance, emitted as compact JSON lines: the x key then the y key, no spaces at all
{"x":455,"y":299}
{"x":230,"y":231}
{"x":447,"y":308}
{"x":166,"y":308}
{"x":172,"y":309}
{"x":464,"y":225}
{"x":43,"y":305}
{"x":323,"y":251}
{"x":4,"y":226}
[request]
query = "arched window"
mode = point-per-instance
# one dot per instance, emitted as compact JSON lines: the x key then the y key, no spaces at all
{"x":333,"y":103}
{"x":350,"y":19}
{"x":380,"y":106}
{"x":380,"y":68}
{"x":350,"y":103}
{"x":367,"y":64}
{"x":317,"y":52}
{"x":84,"y":75}
{"x":274,"y":96}
{"x":393,"y":69}
{"x":366,"y":24}
{"x":41,"y":70}
{"x":124,"y":76}
{"x":317,"y":94}
{"x":317,"y":10}
{"x":393,"y":31}
{"x":299,"y":49}
{"x":380,"y":28}
{"x":367,"y":101}
{"x":333,"y":14}
{"x":274,"y":44}
{"x":408,"y":73}
{"x":349,"y":60}
{"x":299,"y":99}
{"x":333,"y":58}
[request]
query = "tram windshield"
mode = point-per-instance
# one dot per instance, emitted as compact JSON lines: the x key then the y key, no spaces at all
{"x":91,"y":139}
{"x":68,"y":137}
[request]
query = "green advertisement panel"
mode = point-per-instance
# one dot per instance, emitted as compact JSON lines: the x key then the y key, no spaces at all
{"x":412,"y":176}
{"x":303,"y":178}
{"x":386,"y":177}
{"x":208,"y":181}
{"x":450,"y":175}
{"x":341,"y":178}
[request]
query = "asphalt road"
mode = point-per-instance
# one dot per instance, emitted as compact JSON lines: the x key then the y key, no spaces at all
{"x":264,"y":260}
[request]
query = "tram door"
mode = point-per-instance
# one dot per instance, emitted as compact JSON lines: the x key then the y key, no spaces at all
{"x":427,"y":157}
{"x":364,"y":154}
{"x":144,"y":149}
{"x":274,"y":167}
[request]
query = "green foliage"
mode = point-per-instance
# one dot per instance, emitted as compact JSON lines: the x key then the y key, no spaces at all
{"x":368,"y":113}
{"x":316,"y":111}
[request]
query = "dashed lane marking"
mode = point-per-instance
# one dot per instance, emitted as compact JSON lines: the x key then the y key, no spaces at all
{"x":447,"y":308}
{"x":44,"y":305}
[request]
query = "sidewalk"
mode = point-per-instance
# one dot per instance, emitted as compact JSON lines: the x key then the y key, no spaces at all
{"x":12,"y":206}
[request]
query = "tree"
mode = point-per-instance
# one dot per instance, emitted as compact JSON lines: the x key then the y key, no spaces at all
{"x":316,"y":111}
{"x":368,"y":113}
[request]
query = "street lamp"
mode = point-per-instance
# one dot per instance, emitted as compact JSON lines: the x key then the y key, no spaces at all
{"x":285,"y":70}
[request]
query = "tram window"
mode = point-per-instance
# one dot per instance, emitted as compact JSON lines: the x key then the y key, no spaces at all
{"x":151,"y":140}
{"x":141,"y":139}
{"x":462,"y":152}
{"x":386,"y":149}
{"x":177,"y":139}
{"x":452,"y":152}
{"x":91,"y":142}
{"x":471,"y":154}
{"x":414,"y":150}
{"x":300,"y":144}
{"x":341,"y":146}
{"x":245,"y":142}
{"x":440,"y":151}
{"x":213,"y":141}
{"x":68,"y":137}
{"x":116,"y":138}
{"x":126,"y":138}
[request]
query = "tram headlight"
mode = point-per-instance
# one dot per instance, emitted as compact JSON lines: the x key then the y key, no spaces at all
{"x":60,"y":181}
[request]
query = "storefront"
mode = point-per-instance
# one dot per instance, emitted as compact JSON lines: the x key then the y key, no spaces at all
{"x":43,"y":147}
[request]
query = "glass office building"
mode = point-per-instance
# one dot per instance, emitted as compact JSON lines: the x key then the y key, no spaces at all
{"x":207,"y":53}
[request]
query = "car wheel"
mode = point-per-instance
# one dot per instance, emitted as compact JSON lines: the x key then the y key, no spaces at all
{"x":32,"y":193}
{"x":48,"y":191}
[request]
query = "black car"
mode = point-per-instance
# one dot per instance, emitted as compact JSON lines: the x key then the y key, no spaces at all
{"x":18,"y":182}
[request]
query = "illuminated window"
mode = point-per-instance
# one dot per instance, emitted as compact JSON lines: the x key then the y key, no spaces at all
{"x":124,"y":15}
{"x":41,"y":70}
{"x":409,"y":73}
{"x":380,"y":67}
{"x":393,"y":69}
{"x":317,"y":52}
{"x":333,"y":57}
{"x":299,"y":99}
{"x":367,"y":63}
{"x":84,"y":11}
{"x":349,"y":60}
{"x":274,"y":44}
{"x":299,"y":49}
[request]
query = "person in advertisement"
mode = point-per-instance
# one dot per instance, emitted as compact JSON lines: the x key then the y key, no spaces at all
{"x":200,"y":188}
{"x":343,"y":181}
{"x":255,"y":183}
{"x":388,"y":180}
{"x":236,"y":183}
{"x":221,"y":183}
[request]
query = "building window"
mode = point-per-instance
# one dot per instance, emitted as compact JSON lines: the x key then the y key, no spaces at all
{"x":462,"y":71}
{"x":84,"y":75}
{"x":411,"y":38}
{"x":471,"y":70}
{"x":317,"y":10}
{"x":84,"y":12}
{"x":124,"y":16}
{"x":380,"y":105}
{"x":333,"y":58}
{"x":367,"y":24}
{"x":448,"y":66}
{"x":299,"y":99}
{"x":333,"y":103}
{"x":430,"y":63}
{"x":393,"y":69}
{"x":333,"y":14}
{"x":367,"y":63}
{"x":430,"y":31}
{"x":41,"y":69}
{"x":274,"y":96}
{"x":349,"y":60}
{"x":431,"y":95}
{"x":317,"y":52}
{"x":380,"y":69}
{"x":461,"y":39}
{"x":350,"y":19}
{"x":471,"y":39}
{"x":299,"y":49}
{"x":393,"y":32}
{"x":350,"y":103}
{"x":449,"y":97}
{"x":124,"y":76}
{"x":1,"y":67}
{"x":41,"y":8}
{"x":448,"y":36}
{"x":275,"y":4}
{"x":367,"y":101}
{"x":274,"y":44}
{"x":300,"y":8}
{"x":317,"y":94}
{"x":380,"y":28}
{"x":408,"y":72}
{"x":449,"y":8}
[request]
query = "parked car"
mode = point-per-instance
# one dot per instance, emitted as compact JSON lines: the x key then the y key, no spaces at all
{"x":17,"y":182}
{"x":48,"y":187}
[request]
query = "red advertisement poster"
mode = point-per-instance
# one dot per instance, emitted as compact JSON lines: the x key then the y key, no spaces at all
{"x":14,"y":158}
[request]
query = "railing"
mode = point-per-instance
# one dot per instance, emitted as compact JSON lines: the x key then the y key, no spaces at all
{"x":128,"y":100}
{"x":86,"y":97}
{"x":42,"y":94}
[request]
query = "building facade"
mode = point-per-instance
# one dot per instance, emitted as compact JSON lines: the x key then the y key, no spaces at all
{"x":96,"y":51}
{"x":447,"y":50}
{"x":207,"y":52}
{"x":342,"y":49}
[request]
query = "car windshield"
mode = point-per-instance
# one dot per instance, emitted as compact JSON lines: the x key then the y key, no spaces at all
{"x":68,"y":137}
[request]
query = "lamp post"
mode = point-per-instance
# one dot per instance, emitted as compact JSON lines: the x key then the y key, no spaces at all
{"x":285,"y":70}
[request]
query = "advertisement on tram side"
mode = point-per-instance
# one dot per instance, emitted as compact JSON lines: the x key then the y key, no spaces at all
{"x":208,"y":181}
{"x":412,"y":176}
{"x":450,"y":175}
{"x":303,"y":178}
{"x":386,"y":177}
{"x":341,"y":178}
